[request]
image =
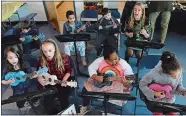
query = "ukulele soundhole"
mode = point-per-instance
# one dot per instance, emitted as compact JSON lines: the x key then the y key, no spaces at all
{"x":43,"y":77}
{"x":17,"y":78}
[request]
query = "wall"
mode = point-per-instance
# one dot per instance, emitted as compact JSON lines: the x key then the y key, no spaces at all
{"x":110,"y":4}
{"x":31,"y":7}
{"x":37,"y":7}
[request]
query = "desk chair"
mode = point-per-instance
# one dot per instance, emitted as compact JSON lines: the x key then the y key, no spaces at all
{"x":89,"y":15}
{"x":74,"y":38}
{"x":162,"y":107}
{"x":10,"y":40}
{"x":115,"y":13}
{"x":148,"y":62}
{"x":29,"y":96}
{"x":33,"y":64}
{"x":107,"y":96}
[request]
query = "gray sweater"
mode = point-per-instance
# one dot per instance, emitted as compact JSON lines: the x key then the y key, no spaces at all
{"x":157,"y":76}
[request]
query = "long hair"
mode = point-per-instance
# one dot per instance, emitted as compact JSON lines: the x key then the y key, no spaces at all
{"x":57,"y":55}
{"x":18,"y":53}
{"x":131,"y":20}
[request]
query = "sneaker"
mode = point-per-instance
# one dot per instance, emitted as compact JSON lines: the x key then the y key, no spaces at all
{"x":27,"y":104}
{"x":84,"y":109}
{"x":84,"y":63}
{"x":37,"y":103}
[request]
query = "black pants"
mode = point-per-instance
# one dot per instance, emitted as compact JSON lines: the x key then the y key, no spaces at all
{"x":62,"y":95}
{"x":107,"y":40}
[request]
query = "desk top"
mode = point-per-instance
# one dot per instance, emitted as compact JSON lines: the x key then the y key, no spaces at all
{"x":73,"y":37}
{"x":10,"y":40}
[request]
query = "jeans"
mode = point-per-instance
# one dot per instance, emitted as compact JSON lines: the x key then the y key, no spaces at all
{"x":80,"y":46}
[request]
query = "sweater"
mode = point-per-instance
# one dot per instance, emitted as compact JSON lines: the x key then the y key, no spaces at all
{"x":156,"y":75}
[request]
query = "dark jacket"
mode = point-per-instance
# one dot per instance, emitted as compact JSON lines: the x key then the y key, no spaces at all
{"x":104,"y":22}
{"x":160,"y":6}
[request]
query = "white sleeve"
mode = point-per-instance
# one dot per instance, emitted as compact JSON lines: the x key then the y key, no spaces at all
{"x":92,"y":69}
{"x":127,"y":67}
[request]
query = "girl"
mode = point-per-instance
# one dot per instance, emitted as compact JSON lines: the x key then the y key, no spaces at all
{"x":14,"y":63}
{"x":58,"y":64}
{"x":109,"y":63}
{"x":168,"y":71}
{"x":26,"y":30}
{"x":137,"y":27}
{"x":70,"y":27}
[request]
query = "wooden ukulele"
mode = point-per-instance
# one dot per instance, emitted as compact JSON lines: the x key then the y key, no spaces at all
{"x":52,"y":80}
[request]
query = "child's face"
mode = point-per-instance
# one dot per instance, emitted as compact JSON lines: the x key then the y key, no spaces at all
{"x":137,"y":12}
{"x":12,"y":58}
{"x":113,"y":59}
{"x":174,"y":74}
{"x":48,"y":50}
{"x":107,"y":16}
{"x":71,"y":18}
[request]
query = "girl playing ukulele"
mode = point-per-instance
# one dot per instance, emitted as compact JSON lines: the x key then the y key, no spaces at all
{"x":167,"y":72}
{"x":15,"y":63}
{"x":58,"y":64}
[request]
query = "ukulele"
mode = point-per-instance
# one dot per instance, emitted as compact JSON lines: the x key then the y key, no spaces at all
{"x":29,"y":38}
{"x":21,"y":76}
{"x":107,"y":80}
{"x":52,"y":80}
{"x":109,"y":26}
{"x":83,"y":27}
{"x":165,"y":90}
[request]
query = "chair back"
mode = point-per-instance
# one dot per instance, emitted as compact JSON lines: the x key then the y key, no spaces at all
{"x":89,"y":15}
{"x":115,"y":13}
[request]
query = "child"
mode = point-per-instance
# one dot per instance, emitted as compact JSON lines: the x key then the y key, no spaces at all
{"x":58,"y":64}
{"x":109,"y":24}
{"x":70,"y":27}
{"x":168,"y":71}
{"x":26,"y":31}
{"x":14,"y":63}
{"x":137,"y":27}
{"x":110,"y":63}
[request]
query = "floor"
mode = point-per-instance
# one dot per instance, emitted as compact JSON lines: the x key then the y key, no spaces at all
{"x":174,"y":42}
